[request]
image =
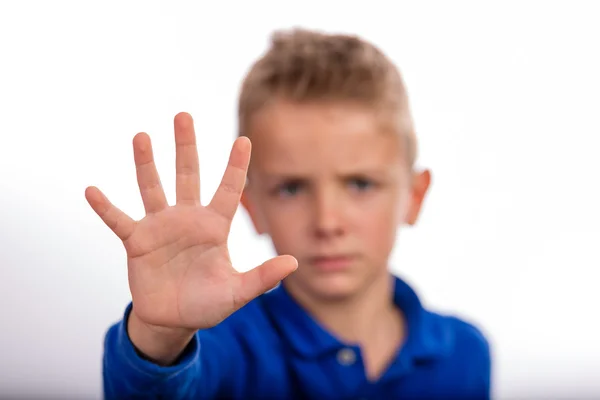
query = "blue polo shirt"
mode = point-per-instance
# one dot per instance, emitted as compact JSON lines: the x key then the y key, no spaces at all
{"x":272,"y":349}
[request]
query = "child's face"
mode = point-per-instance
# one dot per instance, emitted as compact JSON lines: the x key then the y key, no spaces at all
{"x":330,"y":186}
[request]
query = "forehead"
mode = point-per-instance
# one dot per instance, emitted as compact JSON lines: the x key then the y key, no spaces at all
{"x":319,"y":138}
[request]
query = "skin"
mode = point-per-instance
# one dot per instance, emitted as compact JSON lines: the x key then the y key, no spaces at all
{"x":180,"y":274}
{"x":326,"y":179}
{"x":331,"y":180}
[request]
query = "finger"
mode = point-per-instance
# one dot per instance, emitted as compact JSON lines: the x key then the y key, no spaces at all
{"x":153,"y":195}
{"x":119,"y":222}
{"x":186,"y":161}
{"x":229,"y":192}
{"x":257,"y":281}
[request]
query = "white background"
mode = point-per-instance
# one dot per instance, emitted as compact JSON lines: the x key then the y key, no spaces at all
{"x":505,"y":98}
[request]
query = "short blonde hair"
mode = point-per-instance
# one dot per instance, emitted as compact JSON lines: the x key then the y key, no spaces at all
{"x":307,"y":66}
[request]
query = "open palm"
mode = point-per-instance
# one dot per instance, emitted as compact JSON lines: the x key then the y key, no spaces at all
{"x":180,"y":273}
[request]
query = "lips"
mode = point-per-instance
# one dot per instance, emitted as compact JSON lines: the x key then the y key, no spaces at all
{"x":332,"y":263}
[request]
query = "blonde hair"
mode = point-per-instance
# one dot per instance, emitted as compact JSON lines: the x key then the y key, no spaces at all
{"x":307,"y":66}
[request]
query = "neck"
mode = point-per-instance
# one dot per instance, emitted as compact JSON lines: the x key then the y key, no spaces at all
{"x":367,"y":316}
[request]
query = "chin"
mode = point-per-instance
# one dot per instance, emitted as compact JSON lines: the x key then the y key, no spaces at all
{"x":331,"y":287}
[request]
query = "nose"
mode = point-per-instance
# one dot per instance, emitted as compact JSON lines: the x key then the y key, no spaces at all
{"x":328,"y":214}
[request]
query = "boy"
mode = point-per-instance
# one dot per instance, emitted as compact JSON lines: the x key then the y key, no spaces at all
{"x":331,"y":180}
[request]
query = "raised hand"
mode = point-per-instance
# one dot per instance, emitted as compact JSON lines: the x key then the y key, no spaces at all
{"x":180,"y":273}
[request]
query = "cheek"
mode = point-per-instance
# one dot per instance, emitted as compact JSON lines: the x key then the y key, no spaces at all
{"x":377,"y":224}
{"x":378,"y":227}
{"x":285,"y":225}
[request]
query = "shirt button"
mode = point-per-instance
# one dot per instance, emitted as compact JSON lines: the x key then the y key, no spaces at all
{"x":346,"y":356}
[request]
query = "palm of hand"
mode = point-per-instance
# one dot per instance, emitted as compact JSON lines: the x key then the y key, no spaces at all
{"x":180,"y":273}
{"x":178,"y":265}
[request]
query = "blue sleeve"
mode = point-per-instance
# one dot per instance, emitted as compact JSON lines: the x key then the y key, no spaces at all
{"x":201,"y":371}
{"x":473,"y":361}
{"x":481,"y":367}
{"x":487,"y":371}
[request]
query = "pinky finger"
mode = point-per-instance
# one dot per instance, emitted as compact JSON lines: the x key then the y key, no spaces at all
{"x":119,"y":222}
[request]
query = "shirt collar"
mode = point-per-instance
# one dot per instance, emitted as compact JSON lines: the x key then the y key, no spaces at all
{"x":426,"y":337}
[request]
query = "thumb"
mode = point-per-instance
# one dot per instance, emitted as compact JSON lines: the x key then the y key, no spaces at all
{"x":263,"y":278}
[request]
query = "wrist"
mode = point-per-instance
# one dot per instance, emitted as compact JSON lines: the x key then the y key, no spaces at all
{"x":158,"y":344}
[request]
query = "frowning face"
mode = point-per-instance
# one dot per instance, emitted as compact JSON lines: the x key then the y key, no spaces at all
{"x":330,"y":186}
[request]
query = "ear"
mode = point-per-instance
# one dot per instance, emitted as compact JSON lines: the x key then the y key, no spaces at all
{"x":249,"y":206}
{"x":420,"y":185}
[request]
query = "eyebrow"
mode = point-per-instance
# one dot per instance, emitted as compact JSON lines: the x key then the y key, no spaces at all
{"x":372,"y":172}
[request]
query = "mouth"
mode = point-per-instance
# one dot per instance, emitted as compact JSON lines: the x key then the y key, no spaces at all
{"x":332,"y":263}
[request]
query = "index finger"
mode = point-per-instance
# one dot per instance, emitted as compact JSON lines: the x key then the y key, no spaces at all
{"x":227,"y":197}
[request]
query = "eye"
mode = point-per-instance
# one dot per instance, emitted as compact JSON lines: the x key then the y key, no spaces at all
{"x":361,"y":184}
{"x":289,"y":189}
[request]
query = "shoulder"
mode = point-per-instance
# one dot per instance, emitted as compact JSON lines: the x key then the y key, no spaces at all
{"x":440,"y":334}
{"x":460,"y":336}
{"x":465,"y":354}
{"x":467,"y":334}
